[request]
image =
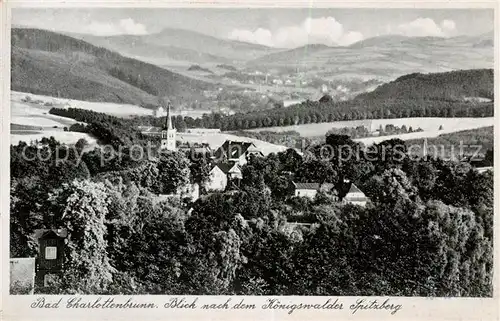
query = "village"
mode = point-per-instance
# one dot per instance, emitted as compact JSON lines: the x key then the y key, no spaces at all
{"x":227,"y":160}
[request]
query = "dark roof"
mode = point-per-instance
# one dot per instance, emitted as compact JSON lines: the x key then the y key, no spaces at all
{"x":234,"y":149}
{"x":50,"y":233}
{"x":225,"y":167}
{"x":354,"y":189}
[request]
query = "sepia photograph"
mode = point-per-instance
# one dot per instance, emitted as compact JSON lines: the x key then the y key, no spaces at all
{"x":271,"y":152}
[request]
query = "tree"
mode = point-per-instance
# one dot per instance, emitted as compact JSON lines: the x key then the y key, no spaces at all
{"x":81,"y":208}
{"x":81,"y":143}
{"x":326,"y":99}
{"x":392,"y":187}
{"x":319,"y":171}
{"x":173,"y":172}
{"x":200,"y":170}
{"x":159,"y":234}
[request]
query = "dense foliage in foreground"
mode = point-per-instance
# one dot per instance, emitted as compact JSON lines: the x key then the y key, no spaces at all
{"x":427,"y":232}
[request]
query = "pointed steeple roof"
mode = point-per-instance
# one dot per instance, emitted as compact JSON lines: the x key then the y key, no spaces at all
{"x":168,"y":124}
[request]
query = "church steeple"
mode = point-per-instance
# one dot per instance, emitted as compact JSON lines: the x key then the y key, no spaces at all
{"x":168,"y":135}
{"x":168,"y":121}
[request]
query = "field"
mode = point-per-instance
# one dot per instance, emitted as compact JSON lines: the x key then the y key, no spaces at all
{"x":26,"y":115}
{"x":429,"y":125}
{"x":62,"y":137}
{"x":120,"y":110}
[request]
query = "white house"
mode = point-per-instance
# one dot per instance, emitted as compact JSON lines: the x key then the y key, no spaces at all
{"x":159,"y":112}
{"x":355,"y":196}
{"x":221,"y":174}
{"x":311,"y":189}
{"x":217,"y":180}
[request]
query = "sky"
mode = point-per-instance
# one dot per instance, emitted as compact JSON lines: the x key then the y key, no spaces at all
{"x":282,"y":28}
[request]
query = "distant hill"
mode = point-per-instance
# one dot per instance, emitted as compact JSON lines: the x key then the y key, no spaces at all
{"x":296,"y":55}
{"x":171,"y":45}
{"x":451,"y":86}
{"x":49,"y":63}
{"x":384,"y":40}
{"x":385,"y":57}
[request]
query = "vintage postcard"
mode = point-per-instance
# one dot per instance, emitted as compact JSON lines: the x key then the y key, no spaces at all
{"x":249,"y":161}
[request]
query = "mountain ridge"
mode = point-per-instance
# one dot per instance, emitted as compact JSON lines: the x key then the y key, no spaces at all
{"x":45,"y":62}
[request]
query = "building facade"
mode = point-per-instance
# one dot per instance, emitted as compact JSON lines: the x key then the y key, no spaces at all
{"x":217,"y":181}
{"x":310,"y":189}
{"x":355,"y":196}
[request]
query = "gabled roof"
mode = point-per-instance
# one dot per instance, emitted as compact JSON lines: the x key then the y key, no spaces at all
{"x":313,"y":186}
{"x":50,"y":233}
{"x":226,"y":167}
{"x":253,"y":149}
{"x":234,"y":149}
{"x":354,"y":189}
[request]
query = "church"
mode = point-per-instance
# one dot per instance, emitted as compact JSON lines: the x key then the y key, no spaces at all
{"x":168,"y":133}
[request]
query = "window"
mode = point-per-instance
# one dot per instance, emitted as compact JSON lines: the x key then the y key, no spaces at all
{"x":50,"y":253}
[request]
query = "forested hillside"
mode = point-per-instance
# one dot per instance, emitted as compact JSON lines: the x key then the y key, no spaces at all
{"x":49,"y":63}
{"x":449,"y":86}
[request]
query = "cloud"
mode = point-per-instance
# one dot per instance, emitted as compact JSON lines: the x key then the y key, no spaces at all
{"x":423,"y":27}
{"x":123,"y":27}
{"x":325,"y":30}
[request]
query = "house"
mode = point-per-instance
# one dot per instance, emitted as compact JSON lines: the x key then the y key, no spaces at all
{"x":232,"y":170}
{"x":50,"y":260}
{"x":355,"y":196}
{"x":159,"y":112}
{"x":311,"y":189}
{"x":195,"y":151}
{"x":237,"y":151}
{"x":217,"y":180}
{"x":222,"y":174}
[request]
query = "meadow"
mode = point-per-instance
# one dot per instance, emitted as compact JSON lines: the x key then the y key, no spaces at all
{"x":429,"y":125}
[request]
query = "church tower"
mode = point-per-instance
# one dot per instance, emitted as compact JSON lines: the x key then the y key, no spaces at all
{"x":168,"y":133}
